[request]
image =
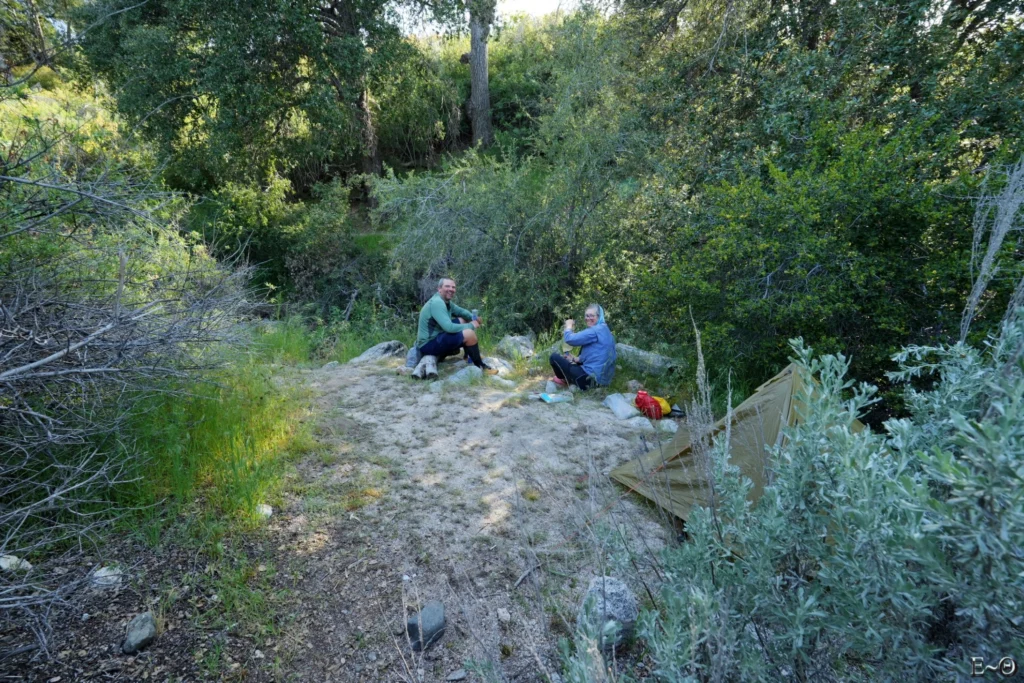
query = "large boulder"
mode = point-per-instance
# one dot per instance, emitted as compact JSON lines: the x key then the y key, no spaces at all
{"x":645,"y":361}
{"x":391,"y":349}
{"x":609,"y":611}
{"x":513,"y":346}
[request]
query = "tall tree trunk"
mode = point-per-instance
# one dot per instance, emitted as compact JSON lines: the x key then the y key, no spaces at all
{"x":371,"y":151}
{"x":481,"y":15}
{"x":39,"y":49}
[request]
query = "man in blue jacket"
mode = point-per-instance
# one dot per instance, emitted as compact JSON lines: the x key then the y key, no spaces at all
{"x":595,"y":366}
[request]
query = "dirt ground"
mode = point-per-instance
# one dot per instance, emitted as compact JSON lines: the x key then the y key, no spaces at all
{"x":496,"y":505}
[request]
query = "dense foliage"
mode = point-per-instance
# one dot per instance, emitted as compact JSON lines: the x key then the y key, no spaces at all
{"x":775,"y":170}
{"x":869,"y":556}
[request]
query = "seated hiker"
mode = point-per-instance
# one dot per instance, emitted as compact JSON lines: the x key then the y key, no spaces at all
{"x":439,"y":332}
{"x":595,"y":365}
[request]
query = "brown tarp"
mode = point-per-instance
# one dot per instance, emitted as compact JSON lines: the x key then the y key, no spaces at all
{"x":672,"y":477}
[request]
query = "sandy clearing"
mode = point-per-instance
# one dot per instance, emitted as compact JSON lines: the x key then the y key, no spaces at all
{"x":465,"y":490}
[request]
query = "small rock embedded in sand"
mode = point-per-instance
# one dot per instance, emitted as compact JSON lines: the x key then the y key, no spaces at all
{"x":141,"y":632}
{"x":457,"y":675}
{"x":265,"y":511}
{"x":107,"y":577}
{"x":13,"y":563}
{"x":430,"y":622}
{"x":328,"y":366}
{"x":504,"y":616}
{"x":506,"y":383}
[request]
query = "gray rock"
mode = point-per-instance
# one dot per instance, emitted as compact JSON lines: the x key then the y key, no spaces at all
{"x":640,"y":422}
{"x":107,"y":577}
{"x":465,"y":375}
{"x":13,"y":563}
{"x":264,"y":511}
{"x":516,"y":347}
{"x":504,"y":616}
{"x":328,"y":366}
{"x":645,"y":361}
{"x":426,"y":627}
{"x":500,"y":364}
{"x":668,"y":426}
{"x":391,"y":349}
{"x":504,"y":383}
{"x":609,"y":610}
{"x":457,"y":675}
{"x":141,"y":632}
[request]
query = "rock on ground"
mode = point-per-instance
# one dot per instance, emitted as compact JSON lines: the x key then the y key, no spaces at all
{"x":645,"y":361}
{"x":463,"y":376}
{"x":107,"y":577}
{"x":141,"y":632}
{"x":621,"y":406}
{"x":504,"y":383}
{"x":265,"y":511}
{"x":500,"y":364}
{"x":13,"y":563}
{"x":609,"y":610}
{"x":429,"y":622}
{"x":390,"y":349}
{"x":513,"y":346}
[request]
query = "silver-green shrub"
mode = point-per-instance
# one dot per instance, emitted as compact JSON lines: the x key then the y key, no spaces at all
{"x":870,"y":556}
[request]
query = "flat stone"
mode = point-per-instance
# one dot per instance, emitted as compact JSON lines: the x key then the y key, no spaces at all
{"x":609,"y":610}
{"x":505,"y":383}
{"x":141,"y":632}
{"x":504,"y":616}
{"x":332,"y":364}
{"x":107,"y":577}
{"x":13,"y":563}
{"x":457,"y":675}
{"x":389,"y":349}
{"x":427,"y":626}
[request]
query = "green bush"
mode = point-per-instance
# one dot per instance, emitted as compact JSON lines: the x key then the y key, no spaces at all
{"x":870,"y":556}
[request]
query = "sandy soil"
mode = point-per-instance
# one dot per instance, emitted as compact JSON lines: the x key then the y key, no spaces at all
{"x":497,"y":506}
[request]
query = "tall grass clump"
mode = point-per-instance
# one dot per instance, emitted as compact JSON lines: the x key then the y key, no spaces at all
{"x":870,"y":556}
{"x":223,"y":442}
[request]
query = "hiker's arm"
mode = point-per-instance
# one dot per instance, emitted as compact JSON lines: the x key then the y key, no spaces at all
{"x":587,"y":336}
{"x":439,"y":312}
{"x":460,"y":312}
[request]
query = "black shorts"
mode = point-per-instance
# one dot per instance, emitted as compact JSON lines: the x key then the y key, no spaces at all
{"x":444,"y":344}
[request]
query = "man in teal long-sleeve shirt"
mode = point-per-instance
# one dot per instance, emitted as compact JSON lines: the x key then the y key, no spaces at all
{"x":440,"y":335}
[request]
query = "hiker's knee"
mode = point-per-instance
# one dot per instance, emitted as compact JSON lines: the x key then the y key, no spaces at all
{"x":469,"y":336}
{"x":554,"y":358}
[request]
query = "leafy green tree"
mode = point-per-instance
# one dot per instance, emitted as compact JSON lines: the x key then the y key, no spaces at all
{"x":237,"y":91}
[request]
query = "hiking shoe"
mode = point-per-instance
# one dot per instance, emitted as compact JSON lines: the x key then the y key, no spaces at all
{"x":490,"y":371}
{"x":559,"y":381}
